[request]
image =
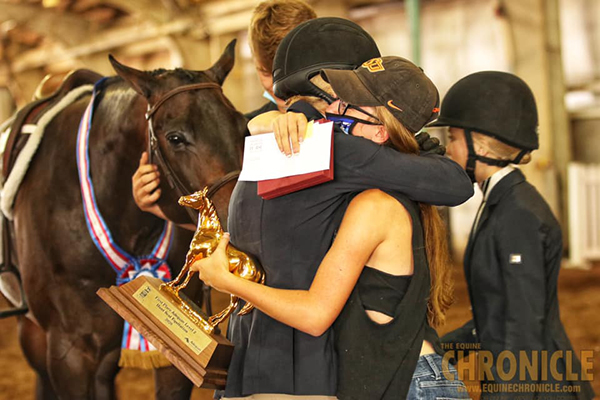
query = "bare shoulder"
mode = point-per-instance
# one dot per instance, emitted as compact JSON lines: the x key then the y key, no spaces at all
{"x":372,"y":196}
{"x":384,"y":227}
{"x":378,"y":206}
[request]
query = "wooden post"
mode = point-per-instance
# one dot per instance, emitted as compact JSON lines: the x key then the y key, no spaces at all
{"x":537,"y":59}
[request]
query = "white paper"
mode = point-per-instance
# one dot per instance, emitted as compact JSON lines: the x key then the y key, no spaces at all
{"x":263,"y":160}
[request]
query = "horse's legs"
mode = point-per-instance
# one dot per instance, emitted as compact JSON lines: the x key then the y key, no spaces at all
{"x":206,"y":293}
{"x":187,"y":278}
{"x":175,"y":282}
{"x":219,"y":317}
{"x":33,"y":342}
{"x":105,"y":376}
{"x":176,"y":285}
{"x":246,"y":309}
{"x":248,"y":306}
{"x":72,"y":368}
{"x":169,"y":383}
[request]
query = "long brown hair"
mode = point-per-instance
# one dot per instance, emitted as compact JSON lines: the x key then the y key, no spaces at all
{"x":436,"y":243}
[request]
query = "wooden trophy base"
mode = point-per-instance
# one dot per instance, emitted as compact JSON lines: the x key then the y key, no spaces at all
{"x":159,"y":317}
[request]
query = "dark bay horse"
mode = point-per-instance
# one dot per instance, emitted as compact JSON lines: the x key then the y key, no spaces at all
{"x":71,"y":337}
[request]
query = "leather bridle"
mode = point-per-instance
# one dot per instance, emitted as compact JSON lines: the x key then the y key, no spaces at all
{"x":154,"y":149}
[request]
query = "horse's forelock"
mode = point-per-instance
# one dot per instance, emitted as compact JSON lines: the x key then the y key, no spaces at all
{"x":186,"y":76}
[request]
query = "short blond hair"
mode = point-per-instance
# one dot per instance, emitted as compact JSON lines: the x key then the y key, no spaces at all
{"x":271,"y":21}
{"x":317,"y":102}
{"x":498,"y":149}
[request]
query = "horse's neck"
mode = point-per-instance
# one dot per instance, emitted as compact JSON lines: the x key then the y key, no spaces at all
{"x":117,"y":139}
{"x":209,"y":220}
{"x":120,"y":122}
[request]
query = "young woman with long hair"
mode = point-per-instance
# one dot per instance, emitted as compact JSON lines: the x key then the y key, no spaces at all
{"x":385,"y":280}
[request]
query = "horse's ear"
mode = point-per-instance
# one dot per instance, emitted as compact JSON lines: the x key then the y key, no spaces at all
{"x":221,"y":68}
{"x":141,"y":81}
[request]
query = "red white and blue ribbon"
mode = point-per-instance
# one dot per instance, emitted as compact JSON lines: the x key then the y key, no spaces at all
{"x":127,"y":266}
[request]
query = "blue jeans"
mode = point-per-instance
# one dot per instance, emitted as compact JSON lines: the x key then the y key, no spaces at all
{"x":430,"y":383}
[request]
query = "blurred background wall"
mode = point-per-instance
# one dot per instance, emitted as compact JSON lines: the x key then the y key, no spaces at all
{"x":554,"y":45}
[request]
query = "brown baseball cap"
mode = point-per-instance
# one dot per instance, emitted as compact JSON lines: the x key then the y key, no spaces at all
{"x":392,"y":82}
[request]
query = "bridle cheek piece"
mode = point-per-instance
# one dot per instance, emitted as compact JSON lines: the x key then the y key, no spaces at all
{"x":154,"y":149}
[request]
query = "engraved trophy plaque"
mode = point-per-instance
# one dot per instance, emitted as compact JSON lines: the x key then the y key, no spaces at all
{"x":171,"y":322}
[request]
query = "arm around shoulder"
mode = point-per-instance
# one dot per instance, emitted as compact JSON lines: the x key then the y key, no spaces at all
{"x":262,"y":123}
{"x":431,"y":179}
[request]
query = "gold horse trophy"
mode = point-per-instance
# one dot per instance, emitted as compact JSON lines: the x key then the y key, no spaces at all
{"x":205,"y":241}
{"x":176,"y":327}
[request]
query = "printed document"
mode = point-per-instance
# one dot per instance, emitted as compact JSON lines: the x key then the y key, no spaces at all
{"x":263,"y":160}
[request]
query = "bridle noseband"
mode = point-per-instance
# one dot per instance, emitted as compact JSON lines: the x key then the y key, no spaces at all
{"x":154,"y":149}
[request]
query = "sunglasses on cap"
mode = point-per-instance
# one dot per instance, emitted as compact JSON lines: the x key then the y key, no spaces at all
{"x":346,"y":122}
{"x":343,"y":107}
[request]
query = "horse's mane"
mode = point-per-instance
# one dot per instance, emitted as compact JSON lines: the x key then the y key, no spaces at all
{"x":185,"y":75}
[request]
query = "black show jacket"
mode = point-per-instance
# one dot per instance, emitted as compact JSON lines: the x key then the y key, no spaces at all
{"x":511,"y":266}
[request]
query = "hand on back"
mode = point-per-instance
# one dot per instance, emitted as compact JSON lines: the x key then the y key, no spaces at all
{"x":429,"y":144}
{"x":289,"y":129}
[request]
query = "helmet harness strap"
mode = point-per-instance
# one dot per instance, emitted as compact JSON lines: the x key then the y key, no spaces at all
{"x":473,"y":157}
{"x":317,"y":91}
{"x":520,"y":156}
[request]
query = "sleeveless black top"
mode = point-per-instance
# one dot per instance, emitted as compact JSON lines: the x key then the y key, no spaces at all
{"x":290,"y":235}
{"x":377,"y":361}
{"x":380,"y":291}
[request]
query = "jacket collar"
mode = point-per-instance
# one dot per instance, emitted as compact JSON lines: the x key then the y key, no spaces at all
{"x":498,"y":191}
{"x":489,"y":183}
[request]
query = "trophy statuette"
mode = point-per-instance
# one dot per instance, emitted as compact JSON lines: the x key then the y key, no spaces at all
{"x":205,"y":241}
{"x":175,"y":325}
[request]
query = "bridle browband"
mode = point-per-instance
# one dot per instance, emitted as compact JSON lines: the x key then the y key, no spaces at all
{"x":154,"y":149}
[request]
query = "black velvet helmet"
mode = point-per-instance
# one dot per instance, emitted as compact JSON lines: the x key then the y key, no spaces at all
{"x":494,"y":103}
{"x":497,"y":104}
{"x":333,"y":43}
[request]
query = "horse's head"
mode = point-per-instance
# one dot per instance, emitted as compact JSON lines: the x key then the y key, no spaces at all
{"x":197,"y":201}
{"x":208,"y":218}
{"x":199,"y":133}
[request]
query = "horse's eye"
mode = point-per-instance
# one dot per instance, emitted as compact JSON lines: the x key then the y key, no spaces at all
{"x":176,"y":138}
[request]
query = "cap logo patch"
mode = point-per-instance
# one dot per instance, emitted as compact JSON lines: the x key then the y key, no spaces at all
{"x":374,"y":65}
{"x":390,"y":104}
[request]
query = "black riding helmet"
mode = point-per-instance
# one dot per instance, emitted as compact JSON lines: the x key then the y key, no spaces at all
{"x":494,"y":103}
{"x":330,"y":42}
{"x":497,"y":104}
